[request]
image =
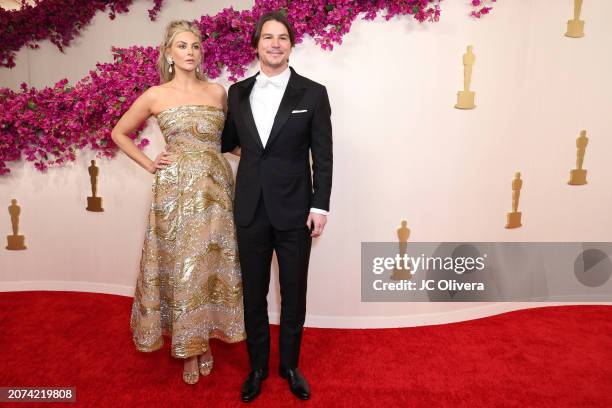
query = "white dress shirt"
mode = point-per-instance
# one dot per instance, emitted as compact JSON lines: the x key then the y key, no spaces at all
{"x":265,"y":100}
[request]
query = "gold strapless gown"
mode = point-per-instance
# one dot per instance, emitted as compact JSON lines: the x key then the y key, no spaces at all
{"x":189,"y":284}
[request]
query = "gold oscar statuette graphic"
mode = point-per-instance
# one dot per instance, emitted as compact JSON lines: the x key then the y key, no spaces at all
{"x":403,"y":233}
{"x":578,"y":175}
{"x":513,"y":219}
{"x":94,"y":203}
{"x":465,"y":98}
{"x":575,"y":27}
{"x":16,"y":242}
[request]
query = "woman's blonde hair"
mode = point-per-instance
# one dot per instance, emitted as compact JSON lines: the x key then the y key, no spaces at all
{"x":174,"y":28}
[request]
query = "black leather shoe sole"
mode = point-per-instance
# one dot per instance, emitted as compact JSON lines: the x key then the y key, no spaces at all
{"x":303,"y":397}
{"x":252,"y":397}
{"x":283,"y":374}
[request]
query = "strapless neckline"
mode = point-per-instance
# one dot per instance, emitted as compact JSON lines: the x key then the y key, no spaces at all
{"x":189,"y":105}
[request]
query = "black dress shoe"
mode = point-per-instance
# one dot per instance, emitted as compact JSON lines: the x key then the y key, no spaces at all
{"x":252,"y":386}
{"x":297,"y":383}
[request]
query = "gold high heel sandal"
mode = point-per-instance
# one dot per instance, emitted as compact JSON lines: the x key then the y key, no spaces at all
{"x":191,"y":377}
{"x":205,"y":366}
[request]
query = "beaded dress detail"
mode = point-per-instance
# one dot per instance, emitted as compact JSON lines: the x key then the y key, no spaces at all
{"x":189,"y":283}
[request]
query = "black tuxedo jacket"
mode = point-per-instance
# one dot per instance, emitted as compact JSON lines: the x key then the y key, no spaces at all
{"x":280,"y":171}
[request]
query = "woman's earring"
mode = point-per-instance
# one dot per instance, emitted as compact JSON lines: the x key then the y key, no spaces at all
{"x":198,"y":69}
{"x":170,"y":62}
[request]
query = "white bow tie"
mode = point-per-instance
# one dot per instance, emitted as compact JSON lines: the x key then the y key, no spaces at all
{"x":263,"y":82}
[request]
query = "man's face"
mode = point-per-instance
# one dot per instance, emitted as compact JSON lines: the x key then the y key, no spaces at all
{"x":274,"y":45}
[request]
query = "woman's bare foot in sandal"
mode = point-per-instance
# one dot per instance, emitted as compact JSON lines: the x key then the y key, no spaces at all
{"x":205,"y":363}
{"x":191,"y":374}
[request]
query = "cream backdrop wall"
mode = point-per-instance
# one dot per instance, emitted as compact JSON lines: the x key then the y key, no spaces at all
{"x":401,"y":151}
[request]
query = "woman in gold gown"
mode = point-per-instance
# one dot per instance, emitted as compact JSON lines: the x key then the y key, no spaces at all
{"x":189,"y":283}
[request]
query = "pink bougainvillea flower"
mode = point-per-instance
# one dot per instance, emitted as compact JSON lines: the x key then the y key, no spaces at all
{"x":49,"y":126}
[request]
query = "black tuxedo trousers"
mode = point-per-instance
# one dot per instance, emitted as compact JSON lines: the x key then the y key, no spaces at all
{"x":255,"y":245}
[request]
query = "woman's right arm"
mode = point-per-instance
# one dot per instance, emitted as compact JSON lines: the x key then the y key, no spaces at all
{"x":129,"y":122}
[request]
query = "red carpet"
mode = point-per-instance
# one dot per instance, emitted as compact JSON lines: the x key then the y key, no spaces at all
{"x":545,"y":357}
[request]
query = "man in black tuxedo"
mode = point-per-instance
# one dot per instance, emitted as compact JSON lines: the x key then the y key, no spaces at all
{"x":278,"y":119}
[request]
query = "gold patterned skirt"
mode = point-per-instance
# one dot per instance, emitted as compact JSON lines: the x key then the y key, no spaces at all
{"x":189,"y":285}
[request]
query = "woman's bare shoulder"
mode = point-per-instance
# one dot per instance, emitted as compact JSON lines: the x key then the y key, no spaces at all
{"x":154,"y":93}
{"x":215,"y":89}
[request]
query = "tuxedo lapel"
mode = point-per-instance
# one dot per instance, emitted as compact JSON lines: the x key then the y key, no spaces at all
{"x":292,"y":96}
{"x":246,"y":112}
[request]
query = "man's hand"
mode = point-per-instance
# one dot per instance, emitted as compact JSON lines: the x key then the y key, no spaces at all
{"x":319,"y":221}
